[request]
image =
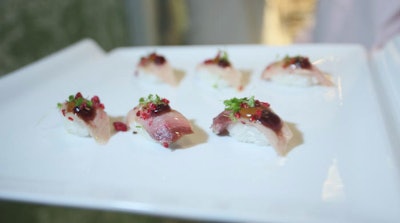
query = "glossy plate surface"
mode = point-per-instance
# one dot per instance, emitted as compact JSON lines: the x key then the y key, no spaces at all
{"x":341,"y":167}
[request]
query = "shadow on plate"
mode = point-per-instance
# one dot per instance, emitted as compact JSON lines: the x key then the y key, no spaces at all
{"x":199,"y":136}
{"x":297,"y":138}
{"x":245,"y":78}
{"x":179,"y":74}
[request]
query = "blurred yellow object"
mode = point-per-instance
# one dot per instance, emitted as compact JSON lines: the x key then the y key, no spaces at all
{"x":286,"y":21}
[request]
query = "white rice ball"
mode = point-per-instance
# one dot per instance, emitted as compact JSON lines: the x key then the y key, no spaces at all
{"x":211,"y":79}
{"x":147,"y":77}
{"x":294,"y":80}
{"x":247,"y":133}
{"x":75,"y":125}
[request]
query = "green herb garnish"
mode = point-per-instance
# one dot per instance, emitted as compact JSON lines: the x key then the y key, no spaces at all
{"x":224,"y":56}
{"x":235,"y":104}
{"x":286,"y":59}
{"x":298,"y":61}
{"x":154,"y":99}
{"x":78,"y":101}
{"x":223,"y":60}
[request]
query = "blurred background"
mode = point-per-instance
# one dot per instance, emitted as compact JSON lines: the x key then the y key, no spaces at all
{"x":30,"y":30}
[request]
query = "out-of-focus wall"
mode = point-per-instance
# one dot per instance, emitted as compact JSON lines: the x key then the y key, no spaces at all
{"x":225,"y":21}
{"x":32,"y":29}
{"x":180,"y":22}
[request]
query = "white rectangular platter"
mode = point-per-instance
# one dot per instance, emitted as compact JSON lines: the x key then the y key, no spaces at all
{"x":340,"y":169}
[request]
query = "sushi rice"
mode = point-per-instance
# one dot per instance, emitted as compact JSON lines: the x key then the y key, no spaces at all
{"x":77,"y":126}
{"x":294,"y":80}
{"x":247,"y":134}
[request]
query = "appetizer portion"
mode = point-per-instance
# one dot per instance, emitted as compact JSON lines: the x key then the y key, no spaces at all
{"x":252,"y":121}
{"x":219,"y":72}
{"x":156,"y":68}
{"x":296,"y":71}
{"x":161,"y":123}
{"x":85,"y":117}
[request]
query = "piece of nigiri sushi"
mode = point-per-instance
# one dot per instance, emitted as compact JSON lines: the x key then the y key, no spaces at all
{"x":296,"y":71}
{"x":156,"y":68}
{"x":85,"y":117}
{"x":252,"y":121}
{"x":219,"y":72}
{"x":158,"y":120}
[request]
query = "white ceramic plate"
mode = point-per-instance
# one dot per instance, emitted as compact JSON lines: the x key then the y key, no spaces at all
{"x":341,"y":167}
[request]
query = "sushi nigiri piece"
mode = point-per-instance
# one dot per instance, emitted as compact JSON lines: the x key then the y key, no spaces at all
{"x":296,"y":71}
{"x":156,"y":68}
{"x":252,"y":121}
{"x":85,"y":117}
{"x":158,"y":120}
{"x":219,"y":72}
